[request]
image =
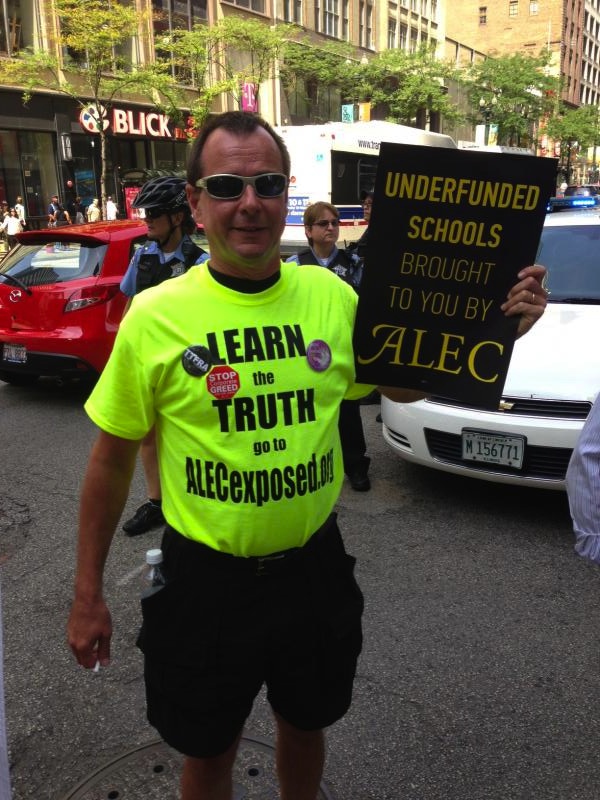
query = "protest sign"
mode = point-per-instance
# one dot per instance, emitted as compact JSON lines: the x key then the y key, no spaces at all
{"x":449,"y":231}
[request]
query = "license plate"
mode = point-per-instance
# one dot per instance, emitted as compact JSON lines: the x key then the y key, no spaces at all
{"x":14,"y":353}
{"x":493,"y":448}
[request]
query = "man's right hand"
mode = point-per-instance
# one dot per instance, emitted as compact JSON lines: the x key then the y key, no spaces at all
{"x":89,"y":631}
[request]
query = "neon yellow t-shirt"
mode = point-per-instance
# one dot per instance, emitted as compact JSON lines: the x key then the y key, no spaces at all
{"x":244,"y":391}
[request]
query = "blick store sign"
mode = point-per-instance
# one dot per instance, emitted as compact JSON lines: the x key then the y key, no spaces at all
{"x":128,"y":122}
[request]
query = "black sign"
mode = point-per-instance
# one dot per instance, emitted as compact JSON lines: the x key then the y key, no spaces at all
{"x":449,"y":232}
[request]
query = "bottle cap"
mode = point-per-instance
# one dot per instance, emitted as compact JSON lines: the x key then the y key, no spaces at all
{"x":154,"y":556}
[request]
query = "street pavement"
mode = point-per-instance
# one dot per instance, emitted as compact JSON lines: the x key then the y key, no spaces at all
{"x":479,"y":678}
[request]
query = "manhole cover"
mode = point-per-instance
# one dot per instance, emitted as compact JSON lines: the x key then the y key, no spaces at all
{"x":153,"y":771}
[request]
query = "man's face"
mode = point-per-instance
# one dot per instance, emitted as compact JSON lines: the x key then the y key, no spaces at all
{"x":159,"y":227}
{"x":324,"y":232}
{"x":367,"y":206}
{"x":243,"y":234}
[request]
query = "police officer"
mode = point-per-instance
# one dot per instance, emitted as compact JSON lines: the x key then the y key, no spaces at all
{"x":168,"y":252}
{"x":322,"y":229}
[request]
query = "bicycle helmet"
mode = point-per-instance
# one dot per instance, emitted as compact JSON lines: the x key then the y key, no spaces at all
{"x":166,"y":193}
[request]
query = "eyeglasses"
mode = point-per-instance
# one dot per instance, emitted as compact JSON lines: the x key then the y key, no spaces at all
{"x":325,"y":223}
{"x":231,"y":187}
{"x":155,"y":213}
{"x":368,"y":203}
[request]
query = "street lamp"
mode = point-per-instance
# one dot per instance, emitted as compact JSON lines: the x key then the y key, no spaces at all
{"x":486,"y":109}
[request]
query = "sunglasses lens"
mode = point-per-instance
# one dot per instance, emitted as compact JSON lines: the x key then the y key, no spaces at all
{"x":225,"y":187}
{"x":270,"y":185}
{"x":231,"y":187}
{"x":325,"y":223}
{"x":155,"y":213}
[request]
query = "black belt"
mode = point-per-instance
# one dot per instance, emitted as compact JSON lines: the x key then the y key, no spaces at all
{"x":270,"y":564}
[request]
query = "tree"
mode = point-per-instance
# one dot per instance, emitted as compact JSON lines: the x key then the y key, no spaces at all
{"x":93,"y":68}
{"x":403,"y":87}
{"x":219,"y":60}
{"x":309,"y":71}
{"x":408,"y":87}
{"x":575,"y":129}
{"x":513,"y":92}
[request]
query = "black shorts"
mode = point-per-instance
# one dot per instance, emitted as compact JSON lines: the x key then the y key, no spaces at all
{"x":223,"y":626}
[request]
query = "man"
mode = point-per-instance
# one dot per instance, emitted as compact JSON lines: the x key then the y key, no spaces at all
{"x":111,"y":209}
{"x":168,"y":252}
{"x":52,"y":209}
{"x":242,"y":364}
{"x":94,"y":212}
{"x":583,"y":487}
{"x":322,"y":229}
{"x":20,"y":209}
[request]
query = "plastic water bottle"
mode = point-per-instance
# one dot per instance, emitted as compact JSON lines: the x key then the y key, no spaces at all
{"x":154,"y":577}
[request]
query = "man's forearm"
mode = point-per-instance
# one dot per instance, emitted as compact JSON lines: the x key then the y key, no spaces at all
{"x":103,"y":497}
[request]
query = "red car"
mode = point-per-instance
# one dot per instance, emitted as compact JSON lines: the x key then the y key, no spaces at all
{"x":60,"y":302}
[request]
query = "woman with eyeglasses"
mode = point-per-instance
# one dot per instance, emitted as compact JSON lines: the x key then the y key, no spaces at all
{"x":322,"y":229}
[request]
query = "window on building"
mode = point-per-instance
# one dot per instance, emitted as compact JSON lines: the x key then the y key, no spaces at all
{"x":403,"y":37}
{"x":253,"y":5}
{"x":331,"y":18}
{"x":434,"y":10}
{"x":369,"y":26}
{"x":292,"y":11}
{"x":414,"y":5}
{"x":346,"y":20}
{"x":391,"y":37}
{"x":513,"y":8}
{"x":423,"y":8}
{"x":414,"y":40}
{"x":483,"y":15}
{"x":172,"y":15}
{"x":361,"y":23}
{"x":534,"y":7}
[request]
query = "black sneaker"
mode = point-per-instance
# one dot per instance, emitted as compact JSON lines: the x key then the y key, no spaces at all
{"x":359,"y":480}
{"x":147,"y":516}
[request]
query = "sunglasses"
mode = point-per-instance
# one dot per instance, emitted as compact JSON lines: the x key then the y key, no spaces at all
{"x":155,"y":213}
{"x":325,"y":223}
{"x":231,"y":187}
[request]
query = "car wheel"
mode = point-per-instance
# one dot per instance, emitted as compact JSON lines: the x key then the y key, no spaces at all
{"x":18,"y":380}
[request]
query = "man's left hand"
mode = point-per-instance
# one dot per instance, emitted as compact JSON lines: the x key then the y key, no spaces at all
{"x":528,"y":298}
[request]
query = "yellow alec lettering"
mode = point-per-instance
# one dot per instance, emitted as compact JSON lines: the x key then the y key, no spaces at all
{"x":394,"y":342}
{"x":400,"y":346}
{"x":473,"y":355}
{"x":445,"y":352}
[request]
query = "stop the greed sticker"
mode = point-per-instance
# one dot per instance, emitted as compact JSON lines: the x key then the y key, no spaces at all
{"x":223,"y":382}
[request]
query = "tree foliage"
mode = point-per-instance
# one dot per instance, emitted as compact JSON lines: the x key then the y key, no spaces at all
{"x":405,"y":85}
{"x":513,"y":92}
{"x":218,"y":60}
{"x":399,"y":85}
{"x":576,"y":130}
{"x":308,"y":70}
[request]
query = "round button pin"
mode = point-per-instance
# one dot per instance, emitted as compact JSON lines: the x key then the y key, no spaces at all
{"x":318,"y":355}
{"x":196,"y":360}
